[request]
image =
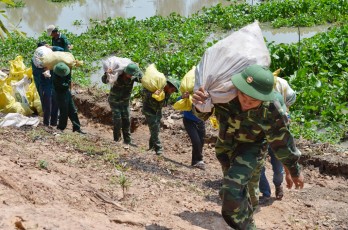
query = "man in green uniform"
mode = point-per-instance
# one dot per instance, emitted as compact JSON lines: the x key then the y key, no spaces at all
{"x":152,"y":110}
{"x":119,"y":99}
{"x":246,"y":123}
{"x":58,"y":39}
{"x":62,"y":82}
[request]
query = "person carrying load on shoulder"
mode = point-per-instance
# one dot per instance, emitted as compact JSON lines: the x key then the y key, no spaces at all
{"x":246,"y":123}
{"x":62,"y":83}
{"x":152,"y":110}
{"x":44,"y":85}
{"x":119,"y":98}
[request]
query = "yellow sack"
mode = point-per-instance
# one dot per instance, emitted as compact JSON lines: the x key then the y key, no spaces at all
{"x":154,"y":80}
{"x":34,"y":98}
{"x":214,"y":122}
{"x":6,"y":97}
{"x":51,"y":59}
{"x":18,"y":107}
{"x":18,"y":70}
{"x":187,"y":84}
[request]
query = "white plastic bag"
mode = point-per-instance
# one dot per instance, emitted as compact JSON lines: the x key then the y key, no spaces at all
{"x":20,"y":89}
{"x":114,"y":66}
{"x":227,"y":57}
{"x":38,"y":55}
{"x":18,"y":120}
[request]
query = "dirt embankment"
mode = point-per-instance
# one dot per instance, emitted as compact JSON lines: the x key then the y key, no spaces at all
{"x":329,"y":159}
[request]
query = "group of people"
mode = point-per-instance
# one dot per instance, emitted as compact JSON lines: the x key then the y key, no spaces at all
{"x":256,"y":120}
{"x":249,"y":124}
{"x":54,"y":86}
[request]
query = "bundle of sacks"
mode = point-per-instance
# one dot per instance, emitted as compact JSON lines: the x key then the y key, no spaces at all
{"x":18,"y":93}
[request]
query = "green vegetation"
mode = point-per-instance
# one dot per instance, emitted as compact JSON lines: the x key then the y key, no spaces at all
{"x":321,"y":82}
{"x":43,"y":164}
{"x":16,"y":4}
{"x":176,"y":43}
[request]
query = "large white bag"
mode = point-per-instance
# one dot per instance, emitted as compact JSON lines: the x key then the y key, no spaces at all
{"x":114,"y":66}
{"x":227,"y":57}
{"x":38,"y":55}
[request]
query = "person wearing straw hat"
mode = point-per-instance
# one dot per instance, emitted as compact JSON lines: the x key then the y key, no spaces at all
{"x":246,"y":124}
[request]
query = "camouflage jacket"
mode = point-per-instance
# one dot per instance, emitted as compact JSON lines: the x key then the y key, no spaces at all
{"x":268,"y":123}
{"x":120,"y":92}
{"x":150,"y":105}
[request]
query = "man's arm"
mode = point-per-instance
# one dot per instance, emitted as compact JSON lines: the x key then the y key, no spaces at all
{"x":282,"y":143}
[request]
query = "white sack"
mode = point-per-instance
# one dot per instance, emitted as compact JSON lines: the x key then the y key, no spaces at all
{"x":114,"y":66}
{"x":227,"y":57}
{"x":38,"y":55}
{"x":18,"y":120}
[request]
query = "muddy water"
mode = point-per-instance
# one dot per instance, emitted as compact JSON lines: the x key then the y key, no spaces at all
{"x":37,"y":14}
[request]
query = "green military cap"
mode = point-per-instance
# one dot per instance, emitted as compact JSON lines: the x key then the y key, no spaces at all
{"x":133,"y":69}
{"x":61,"y":69}
{"x":255,"y":81}
{"x":175,"y":83}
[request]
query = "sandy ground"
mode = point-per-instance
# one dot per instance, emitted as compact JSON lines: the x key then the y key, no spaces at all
{"x":53,"y":180}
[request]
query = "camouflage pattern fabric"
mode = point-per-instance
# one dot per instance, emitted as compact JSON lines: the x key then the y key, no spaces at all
{"x":240,"y":149}
{"x":121,"y":120}
{"x":119,"y":98}
{"x":120,"y":92}
{"x":152,"y":110}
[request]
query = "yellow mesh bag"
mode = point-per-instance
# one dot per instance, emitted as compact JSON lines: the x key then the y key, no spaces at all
{"x":154,"y":80}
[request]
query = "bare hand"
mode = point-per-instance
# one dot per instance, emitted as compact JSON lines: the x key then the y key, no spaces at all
{"x":157,"y":92}
{"x":70,"y":47}
{"x":298,"y":181}
{"x":200,"y":96}
{"x":290,"y":181}
{"x":185,"y":95}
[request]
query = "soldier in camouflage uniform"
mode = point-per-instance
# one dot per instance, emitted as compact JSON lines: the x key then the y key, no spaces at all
{"x":249,"y":121}
{"x":119,"y":99}
{"x":152,"y":110}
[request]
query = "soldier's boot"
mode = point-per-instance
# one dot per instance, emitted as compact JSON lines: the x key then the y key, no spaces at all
{"x":117,"y":130}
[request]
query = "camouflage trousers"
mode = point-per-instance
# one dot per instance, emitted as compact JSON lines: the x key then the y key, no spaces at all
{"x":241,"y":166}
{"x":121,"y":120}
{"x":154,"y":123}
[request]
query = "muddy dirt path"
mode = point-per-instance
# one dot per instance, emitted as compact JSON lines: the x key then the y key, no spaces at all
{"x":52,"y":180}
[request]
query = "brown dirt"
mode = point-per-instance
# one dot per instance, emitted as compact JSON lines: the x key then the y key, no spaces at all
{"x":80,"y":188}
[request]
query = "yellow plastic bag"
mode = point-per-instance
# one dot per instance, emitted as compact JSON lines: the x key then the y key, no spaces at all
{"x":187,"y":84}
{"x":18,"y":70}
{"x":51,"y":59}
{"x":6,"y":96}
{"x":34,"y":98}
{"x":154,"y":80}
{"x":214,"y":122}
